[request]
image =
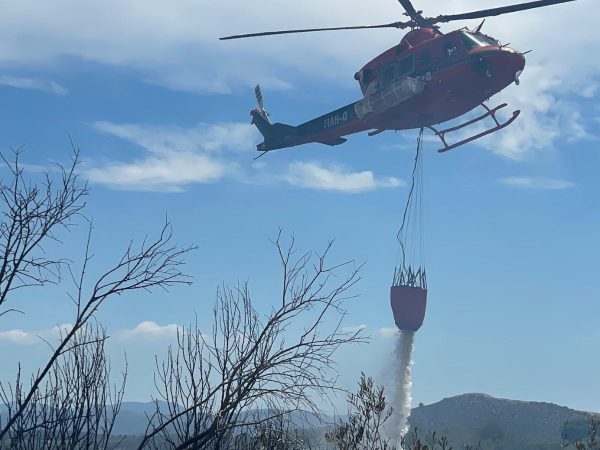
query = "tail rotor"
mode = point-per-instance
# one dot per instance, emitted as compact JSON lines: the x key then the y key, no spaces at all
{"x":261,"y":103}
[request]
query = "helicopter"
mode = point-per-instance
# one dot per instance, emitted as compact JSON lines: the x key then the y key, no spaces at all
{"x":427,"y":79}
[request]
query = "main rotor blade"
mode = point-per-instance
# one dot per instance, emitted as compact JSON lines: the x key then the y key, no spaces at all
{"x":497,"y":11}
{"x":414,"y":14}
{"x":409,"y":8}
{"x":399,"y":25}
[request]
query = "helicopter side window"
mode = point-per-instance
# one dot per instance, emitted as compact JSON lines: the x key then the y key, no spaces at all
{"x":388,"y":76}
{"x":406,"y":66}
{"x":367,"y":76}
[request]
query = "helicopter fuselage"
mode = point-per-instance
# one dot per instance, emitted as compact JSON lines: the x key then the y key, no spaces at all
{"x":427,"y":79}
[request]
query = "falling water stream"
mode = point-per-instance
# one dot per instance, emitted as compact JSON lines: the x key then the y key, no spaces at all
{"x":403,"y":386}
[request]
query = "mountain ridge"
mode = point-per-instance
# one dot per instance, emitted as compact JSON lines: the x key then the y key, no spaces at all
{"x":501,"y":423}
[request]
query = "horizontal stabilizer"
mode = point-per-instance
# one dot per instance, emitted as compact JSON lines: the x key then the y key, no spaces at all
{"x":333,"y":142}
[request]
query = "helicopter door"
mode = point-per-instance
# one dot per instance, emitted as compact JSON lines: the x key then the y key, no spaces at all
{"x":405,"y":67}
{"x":388,"y":77}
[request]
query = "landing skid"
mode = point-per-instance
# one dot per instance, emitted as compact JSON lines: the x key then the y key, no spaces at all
{"x":490,"y":113}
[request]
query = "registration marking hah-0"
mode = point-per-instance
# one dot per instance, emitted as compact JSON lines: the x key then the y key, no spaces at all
{"x":335,"y":120}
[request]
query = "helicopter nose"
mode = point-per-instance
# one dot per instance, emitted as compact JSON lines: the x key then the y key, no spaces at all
{"x":520,"y":60}
{"x":519,"y":65}
{"x":513,"y":57}
{"x":514,"y":63}
{"x":517,"y":77}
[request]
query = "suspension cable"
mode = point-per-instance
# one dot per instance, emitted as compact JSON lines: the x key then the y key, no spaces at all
{"x":405,"y":274}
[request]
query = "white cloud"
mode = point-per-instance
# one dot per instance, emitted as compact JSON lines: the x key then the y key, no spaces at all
{"x":33,"y":83}
{"x":146,"y":330}
{"x":335,"y":178}
{"x":354,"y":328}
{"x":175,"y":44}
{"x":590,"y":91}
{"x":388,"y":332}
{"x":166,"y":174}
{"x":537,"y":183}
{"x":176,"y":157}
{"x":18,"y":337}
{"x":545,"y":117}
{"x":59,"y":330}
{"x":150,"y":330}
{"x":200,"y":138}
{"x":22,"y":337}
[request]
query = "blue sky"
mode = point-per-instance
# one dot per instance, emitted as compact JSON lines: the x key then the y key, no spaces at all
{"x":160,"y":110}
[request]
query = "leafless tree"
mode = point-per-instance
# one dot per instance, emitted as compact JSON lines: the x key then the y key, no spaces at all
{"x":31,"y":213}
{"x":77,"y":405}
{"x":368,"y":414}
{"x":280,"y":433}
{"x":413,"y":441}
{"x":272,"y":365}
{"x":365,"y":427}
{"x":155,"y":264}
{"x":591,"y":442}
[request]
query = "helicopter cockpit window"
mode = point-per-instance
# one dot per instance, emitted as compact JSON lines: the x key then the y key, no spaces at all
{"x":406,"y":66}
{"x":473,"y":40}
{"x":490,"y":39}
{"x":388,"y":76}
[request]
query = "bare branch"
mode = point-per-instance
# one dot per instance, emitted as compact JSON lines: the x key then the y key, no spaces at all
{"x":30,"y":215}
{"x":77,"y":405}
{"x":153,"y":265}
{"x":274,"y":364}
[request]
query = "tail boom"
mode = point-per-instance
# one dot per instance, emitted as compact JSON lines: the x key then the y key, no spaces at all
{"x":327,"y":129}
{"x":277,"y":135}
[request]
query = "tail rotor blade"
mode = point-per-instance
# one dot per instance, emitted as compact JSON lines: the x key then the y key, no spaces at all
{"x":259,"y":97}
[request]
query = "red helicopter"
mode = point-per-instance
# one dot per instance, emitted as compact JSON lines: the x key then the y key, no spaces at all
{"x":427,"y":79}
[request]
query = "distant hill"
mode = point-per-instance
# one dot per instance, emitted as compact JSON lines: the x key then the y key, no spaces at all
{"x":498,"y":423}
{"x":468,"y":418}
{"x":132,"y":418}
